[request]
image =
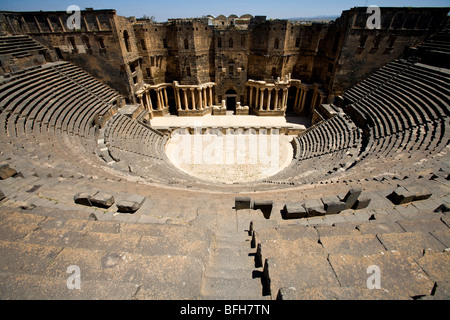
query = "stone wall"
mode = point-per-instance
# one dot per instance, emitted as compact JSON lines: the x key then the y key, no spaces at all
{"x":365,"y":51}
{"x":328,"y":58}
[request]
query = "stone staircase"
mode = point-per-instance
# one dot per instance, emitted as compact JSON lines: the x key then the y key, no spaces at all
{"x":231,"y":274}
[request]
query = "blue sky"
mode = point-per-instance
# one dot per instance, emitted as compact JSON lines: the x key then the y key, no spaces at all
{"x":164,"y":9}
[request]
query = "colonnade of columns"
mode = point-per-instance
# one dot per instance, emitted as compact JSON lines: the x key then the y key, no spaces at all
{"x":162,"y":101}
{"x":263,"y":97}
{"x":197,"y":97}
{"x":187,"y":97}
{"x":267,"y":97}
{"x":300,"y":97}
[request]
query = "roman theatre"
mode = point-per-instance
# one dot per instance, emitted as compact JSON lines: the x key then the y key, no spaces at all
{"x":224,"y":157}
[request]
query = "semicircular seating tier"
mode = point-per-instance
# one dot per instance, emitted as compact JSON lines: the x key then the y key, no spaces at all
{"x":58,"y":116}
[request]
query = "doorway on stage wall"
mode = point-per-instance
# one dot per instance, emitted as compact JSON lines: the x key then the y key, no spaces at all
{"x":231,"y":97}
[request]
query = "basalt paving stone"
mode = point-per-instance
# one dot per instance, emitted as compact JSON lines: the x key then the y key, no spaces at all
{"x":399,"y":274}
{"x":256,"y":225}
{"x":94,"y":264}
{"x":12,"y":231}
{"x":436,"y":265}
{"x":296,"y":232}
{"x":168,"y":277}
{"x":103,"y":226}
{"x":382,"y":227}
{"x":443,"y":237}
{"x":24,"y":218}
{"x":27,"y":258}
{"x":287,"y":249}
{"x":446,"y":219}
{"x":441,"y":291}
{"x":352,"y":244}
{"x":30,"y":287}
{"x":66,"y":223}
{"x":312,"y":270}
{"x":325,"y":231}
{"x":262,"y":235}
{"x":423,"y":225}
{"x":411,"y":243}
{"x":336,"y":293}
{"x":161,"y":277}
{"x":109,"y":241}
{"x":55,"y":237}
{"x":333,"y":219}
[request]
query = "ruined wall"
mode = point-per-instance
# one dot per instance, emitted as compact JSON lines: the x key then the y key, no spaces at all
{"x":125,"y":53}
{"x":365,"y":50}
{"x":231,"y":63}
{"x":97,"y":47}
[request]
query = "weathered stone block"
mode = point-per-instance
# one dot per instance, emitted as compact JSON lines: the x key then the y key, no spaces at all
{"x":6,"y":172}
{"x":265,"y":206}
{"x":131,"y":204}
{"x":401,"y":195}
{"x":419,"y":193}
{"x":314,"y":208}
{"x":83,"y":198}
{"x":362,"y":202}
{"x":332,"y":205}
{"x":351,"y":197}
{"x":262,"y":204}
{"x":294,"y":211}
{"x":102,"y":200}
{"x":242,"y":203}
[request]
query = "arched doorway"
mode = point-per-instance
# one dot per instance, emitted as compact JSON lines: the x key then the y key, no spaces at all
{"x":231,"y":97}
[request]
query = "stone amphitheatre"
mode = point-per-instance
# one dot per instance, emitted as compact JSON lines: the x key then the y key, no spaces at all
{"x":225,"y":158}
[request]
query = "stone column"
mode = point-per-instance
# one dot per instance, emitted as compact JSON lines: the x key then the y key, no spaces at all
{"x":268,"y":98}
{"x":148,"y":100}
{"x":211,"y":96}
{"x":251,"y":97}
{"x":305,"y":92}
{"x":297,"y":95}
{"x":285,"y":96}
{"x":166,"y":104}
{"x":205,"y":98}
{"x":276,"y":98}
{"x":178,"y":100}
{"x":193,"y":98}
{"x":200,"y":102}
{"x":261,"y":101}
{"x":158,"y":99}
{"x":256,"y":98}
{"x":298,"y":105}
{"x":186,"y":106}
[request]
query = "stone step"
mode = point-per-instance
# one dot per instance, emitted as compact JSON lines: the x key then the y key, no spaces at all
{"x":233,"y":288}
{"x":233,"y":272}
{"x":172,"y":277}
{"x":231,"y":260}
{"x":21,"y":286}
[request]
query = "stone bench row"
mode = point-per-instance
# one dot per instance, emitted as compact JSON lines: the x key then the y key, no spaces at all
{"x":326,"y":205}
{"x":100,"y":199}
{"x":86,"y":80}
{"x":333,"y":135}
{"x":386,"y":73}
{"x":128,"y":134}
